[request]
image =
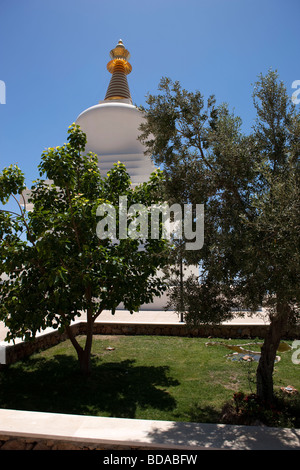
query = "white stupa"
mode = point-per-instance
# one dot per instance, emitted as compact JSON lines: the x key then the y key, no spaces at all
{"x":112,"y":125}
{"x":112,"y":130}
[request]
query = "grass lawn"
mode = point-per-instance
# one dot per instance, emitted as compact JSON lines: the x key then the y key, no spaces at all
{"x":143,"y":377}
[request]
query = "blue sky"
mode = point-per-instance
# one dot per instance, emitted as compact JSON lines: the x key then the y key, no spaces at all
{"x":53,"y":58}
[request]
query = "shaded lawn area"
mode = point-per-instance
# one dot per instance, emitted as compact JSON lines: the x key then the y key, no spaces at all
{"x":143,"y":377}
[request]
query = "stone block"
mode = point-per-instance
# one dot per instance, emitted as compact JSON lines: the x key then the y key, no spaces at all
{"x":14,"y":444}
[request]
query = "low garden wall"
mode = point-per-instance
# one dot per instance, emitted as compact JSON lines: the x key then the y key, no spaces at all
{"x":14,"y":442}
{"x":19,"y":443}
{"x":18,"y":351}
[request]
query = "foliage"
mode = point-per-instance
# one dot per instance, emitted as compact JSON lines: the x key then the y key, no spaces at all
{"x":63,"y":268}
{"x":249,"y":185}
{"x":250,"y":409}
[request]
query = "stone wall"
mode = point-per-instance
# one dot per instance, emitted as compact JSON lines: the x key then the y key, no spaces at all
{"x":181,"y":329}
{"x":18,"y":351}
{"x":24,"y":349}
{"x":21,"y":443}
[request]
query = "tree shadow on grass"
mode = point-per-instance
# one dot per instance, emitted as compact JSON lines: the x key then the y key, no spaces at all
{"x":114,"y":389}
{"x":203,"y":414}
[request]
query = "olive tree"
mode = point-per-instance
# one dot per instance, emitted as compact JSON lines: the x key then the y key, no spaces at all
{"x":249,"y":185}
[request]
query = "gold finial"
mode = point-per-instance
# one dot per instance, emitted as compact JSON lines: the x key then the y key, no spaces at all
{"x":119,"y":56}
{"x":119,"y":67}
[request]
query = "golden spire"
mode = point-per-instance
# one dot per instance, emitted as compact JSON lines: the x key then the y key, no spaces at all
{"x":119,"y":67}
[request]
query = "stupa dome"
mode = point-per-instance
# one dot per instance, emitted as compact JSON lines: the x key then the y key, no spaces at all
{"x":112,"y":126}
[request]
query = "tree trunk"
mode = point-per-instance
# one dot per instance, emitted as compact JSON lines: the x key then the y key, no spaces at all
{"x":83,"y":354}
{"x":84,"y":357}
{"x":264,"y":374}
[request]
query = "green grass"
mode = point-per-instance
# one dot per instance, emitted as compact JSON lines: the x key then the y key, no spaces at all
{"x":144,"y":377}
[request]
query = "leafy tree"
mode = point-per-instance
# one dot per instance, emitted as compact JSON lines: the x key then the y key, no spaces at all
{"x":249,"y":185}
{"x":61,"y":266}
